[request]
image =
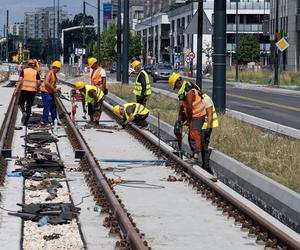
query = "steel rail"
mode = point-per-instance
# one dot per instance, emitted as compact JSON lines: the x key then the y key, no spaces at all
{"x":125,"y":224}
{"x":7,"y":125}
{"x":273,"y":229}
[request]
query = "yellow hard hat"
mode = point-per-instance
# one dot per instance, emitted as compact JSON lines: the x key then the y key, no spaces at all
{"x":135,"y":63}
{"x":173,"y":79}
{"x":79,"y":85}
{"x":91,"y":61}
{"x":56,"y":64}
{"x":116,"y":110}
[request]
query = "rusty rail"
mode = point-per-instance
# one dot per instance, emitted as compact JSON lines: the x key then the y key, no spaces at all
{"x":125,"y":224}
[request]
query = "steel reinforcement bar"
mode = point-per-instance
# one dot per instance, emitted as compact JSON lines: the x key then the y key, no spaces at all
{"x":260,"y":227}
{"x":128,"y":228}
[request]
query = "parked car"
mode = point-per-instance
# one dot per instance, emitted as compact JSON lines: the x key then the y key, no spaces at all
{"x":161,"y":71}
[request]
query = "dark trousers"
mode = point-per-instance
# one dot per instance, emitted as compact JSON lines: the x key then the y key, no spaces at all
{"x":194,"y":136}
{"x":140,"y":120}
{"x":142,"y":99}
{"x":25,"y":103}
{"x":205,"y":152}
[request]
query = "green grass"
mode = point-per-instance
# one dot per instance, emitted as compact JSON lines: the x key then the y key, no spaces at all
{"x":275,"y":156}
{"x":264,"y":77}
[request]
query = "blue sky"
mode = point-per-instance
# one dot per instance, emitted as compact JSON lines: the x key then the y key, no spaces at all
{"x":18,"y":7}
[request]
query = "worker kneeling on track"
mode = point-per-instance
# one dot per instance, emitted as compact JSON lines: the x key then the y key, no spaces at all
{"x":192,"y":112}
{"x":132,"y":112}
{"x":93,"y":96}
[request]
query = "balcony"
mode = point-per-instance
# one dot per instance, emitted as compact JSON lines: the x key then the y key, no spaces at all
{"x":244,"y":28}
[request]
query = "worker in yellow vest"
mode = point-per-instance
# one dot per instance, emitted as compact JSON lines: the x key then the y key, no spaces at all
{"x":48,"y":89}
{"x":29,"y":83}
{"x":132,"y":112}
{"x":93,"y":96}
{"x":97,"y":75}
{"x":192,"y":111}
{"x":142,"y":88}
{"x":211,"y":121}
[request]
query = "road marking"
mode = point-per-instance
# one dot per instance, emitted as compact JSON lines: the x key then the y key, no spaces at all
{"x":266,"y":102}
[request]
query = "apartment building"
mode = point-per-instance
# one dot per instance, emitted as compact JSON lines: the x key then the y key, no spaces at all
{"x":172,"y":17}
{"x":16,"y":29}
{"x":43,"y":23}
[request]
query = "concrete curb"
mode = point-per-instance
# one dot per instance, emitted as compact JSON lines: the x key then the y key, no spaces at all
{"x":279,"y":201}
{"x":275,"y":127}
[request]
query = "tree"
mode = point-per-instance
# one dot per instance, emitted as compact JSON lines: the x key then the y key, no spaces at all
{"x":249,"y":50}
{"x":108,"y":43}
{"x":74,"y":38}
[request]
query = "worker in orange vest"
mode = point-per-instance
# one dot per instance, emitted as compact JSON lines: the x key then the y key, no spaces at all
{"x":191,"y":111}
{"x":48,"y":89}
{"x":97,"y":75}
{"x":29,"y":83}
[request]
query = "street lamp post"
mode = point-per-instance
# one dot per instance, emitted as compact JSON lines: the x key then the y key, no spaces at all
{"x":125,"y":44}
{"x":119,"y":77}
{"x":276,"y":71}
{"x":98,"y":30}
{"x":236,"y":41}
{"x":199,"y":43}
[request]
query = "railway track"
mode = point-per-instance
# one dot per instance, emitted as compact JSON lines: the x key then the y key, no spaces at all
{"x":120,"y":217}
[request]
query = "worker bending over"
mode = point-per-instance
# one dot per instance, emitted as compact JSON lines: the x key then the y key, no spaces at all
{"x":48,"y":90}
{"x":97,"y":75}
{"x":192,"y":111}
{"x":211,"y":121}
{"x":132,"y":112}
{"x":142,"y":88}
{"x":93,"y":96}
{"x":29,"y":83}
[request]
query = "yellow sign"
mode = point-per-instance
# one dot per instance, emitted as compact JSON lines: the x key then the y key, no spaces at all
{"x":282,"y":44}
{"x":188,"y":51}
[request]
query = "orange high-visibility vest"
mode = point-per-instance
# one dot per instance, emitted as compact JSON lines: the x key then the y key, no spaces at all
{"x":95,"y":77}
{"x":198,"y":107}
{"x":53,"y":80}
{"x":29,"y":82}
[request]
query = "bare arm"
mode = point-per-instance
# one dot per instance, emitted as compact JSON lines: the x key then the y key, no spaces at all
{"x":209,"y":112}
{"x":47,"y":82}
{"x":189,"y":99}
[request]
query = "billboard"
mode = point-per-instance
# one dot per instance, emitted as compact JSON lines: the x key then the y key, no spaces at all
{"x":107,"y":14}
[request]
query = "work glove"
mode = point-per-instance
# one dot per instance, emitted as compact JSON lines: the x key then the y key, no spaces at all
{"x":84,"y":111}
{"x":105,"y":91}
{"x":177,"y":128}
{"x":123,"y":124}
{"x":97,"y":108}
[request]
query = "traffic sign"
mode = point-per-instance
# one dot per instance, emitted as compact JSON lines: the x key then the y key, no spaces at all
{"x":192,"y":55}
{"x":188,"y":51}
{"x":188,"y":59}
{"x":282,"y":44}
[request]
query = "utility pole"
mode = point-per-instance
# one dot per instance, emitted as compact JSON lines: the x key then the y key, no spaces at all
{"x":236,"y":41}
{"x":54,"y":34}
{"x":199,"y":43}
{"x":219,"y":57}
{"x":83,"y":23}
{"x":125,"y":42}
{"x":98,"y":31}
{"x":119,"y":77}
{"x":7,"y":55}
{"x":276,"y":71}
{"x":58,"y":30}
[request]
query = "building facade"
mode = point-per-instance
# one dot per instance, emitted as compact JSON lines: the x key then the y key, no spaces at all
{"x":288,"y":24}
{"x":17,"y":29}
{"x":178,"y":15}
{"x":43,"y":23}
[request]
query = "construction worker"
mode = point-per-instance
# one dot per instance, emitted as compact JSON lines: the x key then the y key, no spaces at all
{"x":93,"y":96}
{"x":29,"y":83}
{"x":132,"y":112}
{"x":211,"y":121}
{"x":192,"y":111}
{"x":48,"y":90}
{"x":142,"y":88}
{"x":97,"y":75}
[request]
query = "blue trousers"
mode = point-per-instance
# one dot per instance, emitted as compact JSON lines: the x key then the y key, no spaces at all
{"x":49,"y":106}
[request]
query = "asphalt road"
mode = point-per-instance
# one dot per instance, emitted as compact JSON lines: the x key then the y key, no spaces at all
{"x":282,"y":108}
